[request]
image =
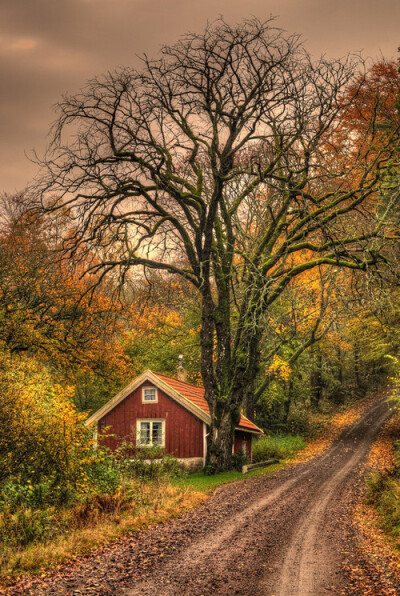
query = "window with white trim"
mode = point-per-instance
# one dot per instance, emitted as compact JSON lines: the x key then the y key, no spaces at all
{"x":150,"y":432}
{"x":149,"y":395}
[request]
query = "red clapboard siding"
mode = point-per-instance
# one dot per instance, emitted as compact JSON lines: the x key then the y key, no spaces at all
{"x":183,"y":431}
{"x":240,"y":438}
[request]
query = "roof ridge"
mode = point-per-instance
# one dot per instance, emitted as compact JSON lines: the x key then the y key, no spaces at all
{"x":178,"y":380}
{"x":197,"y":387}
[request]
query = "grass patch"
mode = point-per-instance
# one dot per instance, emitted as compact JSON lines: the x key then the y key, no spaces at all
{"x":92,"y":526}
{"x":277,"y":447}
{"x":384,"y":495}
{"x":201,"y":483}
{"x":383,"y":486}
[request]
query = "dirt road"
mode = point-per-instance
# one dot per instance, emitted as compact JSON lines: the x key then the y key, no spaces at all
{"x":285,"y":534}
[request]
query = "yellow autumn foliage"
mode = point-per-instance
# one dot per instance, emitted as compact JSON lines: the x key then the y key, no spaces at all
{"x":279,"y":368}
{"x":41,"y":432}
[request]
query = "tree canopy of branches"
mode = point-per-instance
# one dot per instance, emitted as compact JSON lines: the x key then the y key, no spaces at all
{"x":221,"y":162}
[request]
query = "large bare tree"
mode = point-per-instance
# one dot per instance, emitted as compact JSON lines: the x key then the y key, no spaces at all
{"x":221,"y":161}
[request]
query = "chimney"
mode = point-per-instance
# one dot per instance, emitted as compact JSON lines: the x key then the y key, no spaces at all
{"x":181,"y":373}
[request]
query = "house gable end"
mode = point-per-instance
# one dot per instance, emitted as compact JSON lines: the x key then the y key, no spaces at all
{"x":150,"y":377}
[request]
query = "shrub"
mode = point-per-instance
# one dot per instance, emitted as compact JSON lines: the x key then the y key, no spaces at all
{"x":239,"y":460}
{"x":42,"y":436}
{"x":25,"y":525}
{"x":299,"y":423}
{"x":14,"y":494}
{"x":278,"y":446}
{"x":209,"y":470}
{"x":142,"y":468}
{"x":105,"y":473}
{"x":384,"y":493}
{"x":147,"y":463}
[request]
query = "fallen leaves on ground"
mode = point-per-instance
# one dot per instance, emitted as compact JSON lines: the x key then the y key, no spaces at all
{"x":332,"y":430}
{"x":381,"y":456}
{"x":373,"y":569}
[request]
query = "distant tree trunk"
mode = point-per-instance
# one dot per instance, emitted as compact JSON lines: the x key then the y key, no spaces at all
{"x":316,"y":381}
{"x":357,"y":375}
{"x":340,"y":365}
{"x":250,"y":401}
{"x":288,"y":402}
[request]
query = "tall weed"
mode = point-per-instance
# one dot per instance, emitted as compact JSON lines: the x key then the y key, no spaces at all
{"x":25,"y":525}
{"x":384,"y":493}
{"x":277,"y":447}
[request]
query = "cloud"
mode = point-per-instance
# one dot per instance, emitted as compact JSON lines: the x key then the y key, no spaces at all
{"x":23,"y":44}
{"x":49,"y":47}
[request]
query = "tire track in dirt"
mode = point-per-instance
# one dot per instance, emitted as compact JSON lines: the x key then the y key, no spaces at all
{"x":299,"y":562}
{"x":281,"y":534}
{"x":306,"y":565}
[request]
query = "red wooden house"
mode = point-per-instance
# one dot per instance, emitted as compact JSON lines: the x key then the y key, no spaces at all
{"x":158,"y":410}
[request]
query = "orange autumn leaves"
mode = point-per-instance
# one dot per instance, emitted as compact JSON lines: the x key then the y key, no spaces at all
{"x":376,"y":94}
{"x":46,"y":306}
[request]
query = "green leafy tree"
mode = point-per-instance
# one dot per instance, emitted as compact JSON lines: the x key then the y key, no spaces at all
{"x":164,"y":322}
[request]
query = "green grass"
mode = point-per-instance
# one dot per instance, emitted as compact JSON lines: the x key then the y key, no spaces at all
{"x":277,"y":447}
{"x":199,"y":482}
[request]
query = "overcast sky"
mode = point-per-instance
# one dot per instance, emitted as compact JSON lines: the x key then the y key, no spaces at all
{"x":48,"y":47}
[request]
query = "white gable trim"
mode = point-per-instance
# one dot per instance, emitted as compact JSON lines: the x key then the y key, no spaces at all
{"x":157,"y":382}
{"x":252,"y":431}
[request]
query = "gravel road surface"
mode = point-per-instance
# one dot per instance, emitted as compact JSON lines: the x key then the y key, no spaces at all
{"x":284,"y":534}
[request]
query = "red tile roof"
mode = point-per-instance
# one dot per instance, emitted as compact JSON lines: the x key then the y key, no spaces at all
{"x":196,"y":396}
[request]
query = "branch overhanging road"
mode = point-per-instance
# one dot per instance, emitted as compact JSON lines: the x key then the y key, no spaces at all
{"x":284,"y":534}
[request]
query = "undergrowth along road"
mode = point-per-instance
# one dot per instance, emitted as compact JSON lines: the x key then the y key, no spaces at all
{"x":281,"y":534}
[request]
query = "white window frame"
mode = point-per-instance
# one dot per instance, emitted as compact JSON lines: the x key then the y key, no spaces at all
{"x":150,"y":420}
{"x":149,"y":401}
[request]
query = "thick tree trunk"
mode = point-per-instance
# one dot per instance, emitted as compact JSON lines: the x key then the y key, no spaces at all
{"x":217,"y":391}
{"x":228,"y":373}
{"x":220,"y":441}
